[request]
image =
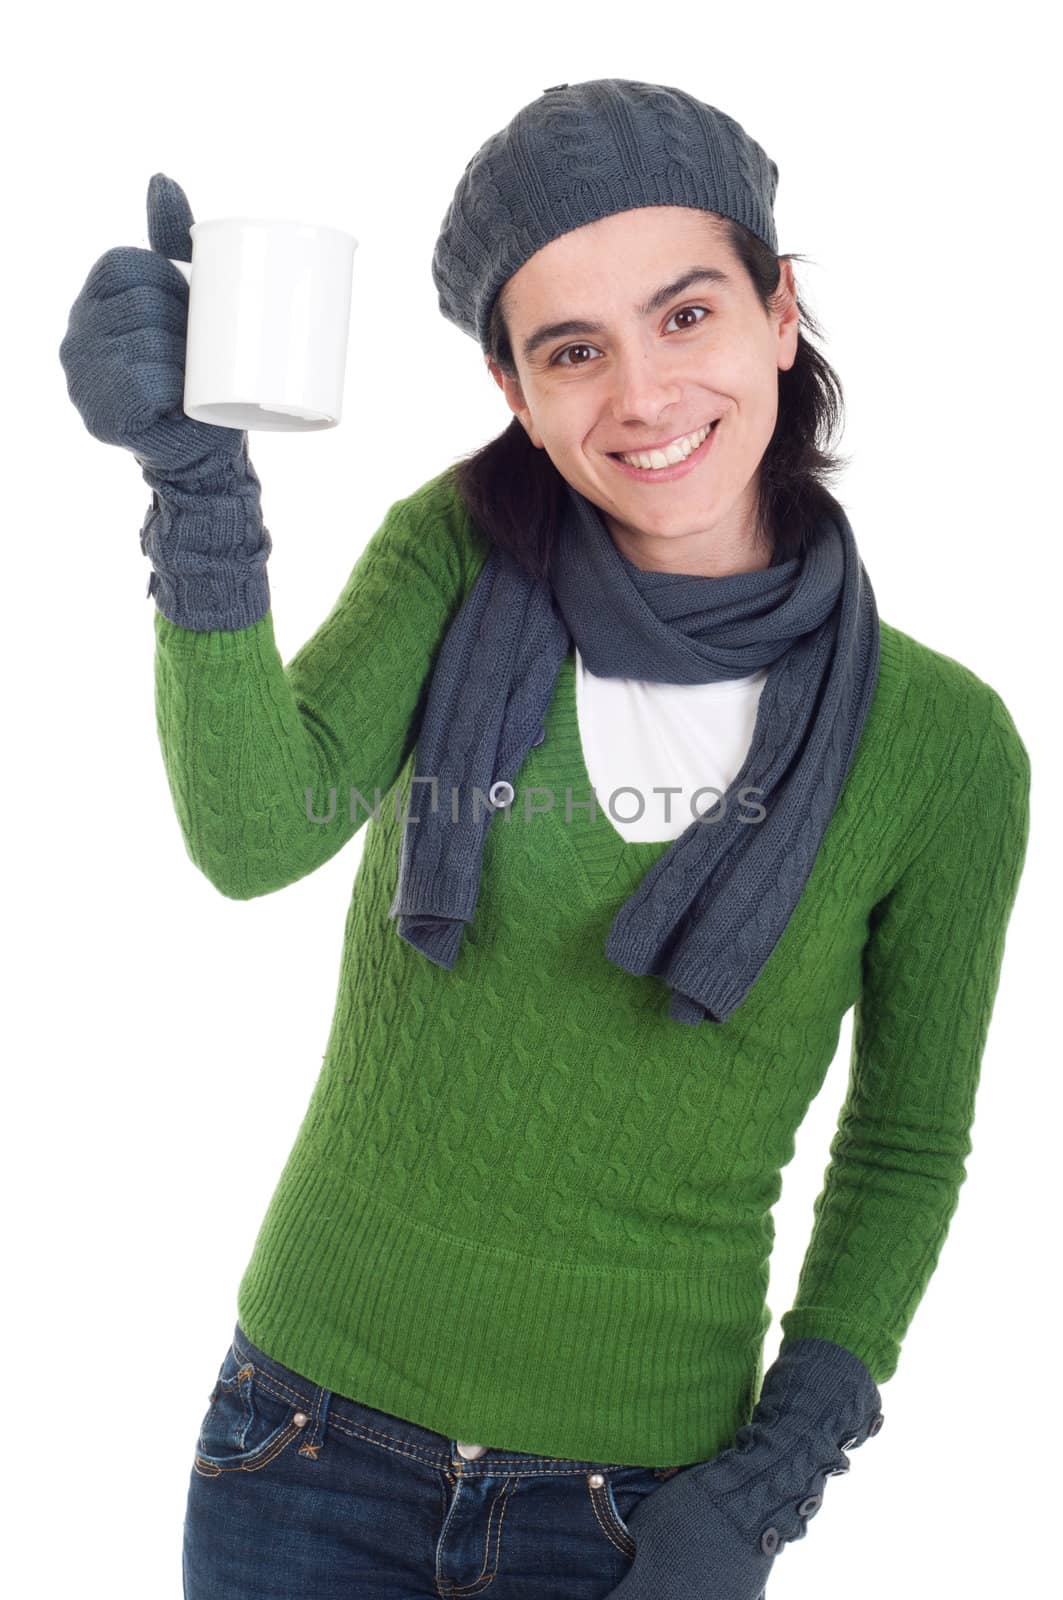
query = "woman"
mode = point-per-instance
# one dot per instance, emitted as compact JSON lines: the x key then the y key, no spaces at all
{"x":529,"y":1203}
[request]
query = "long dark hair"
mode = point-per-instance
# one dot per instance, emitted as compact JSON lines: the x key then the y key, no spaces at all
{"x":514,"y":493}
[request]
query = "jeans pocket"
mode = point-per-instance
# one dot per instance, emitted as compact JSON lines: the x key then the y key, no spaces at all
{"x":614,"y":1494}
{"x":247,"y":1423}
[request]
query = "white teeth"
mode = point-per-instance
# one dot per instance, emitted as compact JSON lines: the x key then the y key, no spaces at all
{"x":669,"y":456}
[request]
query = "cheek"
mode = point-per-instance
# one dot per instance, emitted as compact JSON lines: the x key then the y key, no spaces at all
{"x":571,"y":423}
{"x":743,"y":368}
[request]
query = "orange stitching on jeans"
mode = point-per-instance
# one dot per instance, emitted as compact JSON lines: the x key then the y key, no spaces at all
{"x":308,"y":1449}
{"x":265,"y":1376}
{"x":343,"y":1423}
{"x":250,"y":1463}
{"x":609,"y":1522}
{"x":481,"y":1582}
{"x":337,"y":1420}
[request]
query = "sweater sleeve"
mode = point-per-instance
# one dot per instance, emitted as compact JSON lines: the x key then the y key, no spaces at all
{"x":255,"y":750}
{"x":931,"y":966}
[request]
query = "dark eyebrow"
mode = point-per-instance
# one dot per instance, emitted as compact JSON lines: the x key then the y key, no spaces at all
{"x":668,"y":291}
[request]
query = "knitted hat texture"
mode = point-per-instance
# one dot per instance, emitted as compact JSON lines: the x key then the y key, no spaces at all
{"x":581,"y":152}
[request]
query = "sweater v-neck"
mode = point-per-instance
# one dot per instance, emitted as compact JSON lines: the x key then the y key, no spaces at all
{"x":610,"y":865}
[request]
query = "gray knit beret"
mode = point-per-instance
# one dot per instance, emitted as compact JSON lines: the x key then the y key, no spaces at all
{"x":580,"y":152}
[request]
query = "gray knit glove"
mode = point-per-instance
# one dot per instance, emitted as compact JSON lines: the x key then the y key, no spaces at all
{"x":714,"y":1529}
{"x":124,"y":359}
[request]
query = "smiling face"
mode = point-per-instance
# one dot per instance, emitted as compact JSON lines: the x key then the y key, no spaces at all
{"x":637,"y":330}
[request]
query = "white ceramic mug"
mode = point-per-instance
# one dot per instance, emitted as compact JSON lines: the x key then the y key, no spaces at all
{"x":269,"y":307}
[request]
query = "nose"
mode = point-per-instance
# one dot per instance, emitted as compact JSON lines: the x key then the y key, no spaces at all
{"x":645,"y":390}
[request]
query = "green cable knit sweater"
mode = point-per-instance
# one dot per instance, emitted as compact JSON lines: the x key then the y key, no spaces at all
{"x":524,"y":1206}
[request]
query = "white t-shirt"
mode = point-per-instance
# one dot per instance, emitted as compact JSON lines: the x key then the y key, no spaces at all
{"x":640,"y":735}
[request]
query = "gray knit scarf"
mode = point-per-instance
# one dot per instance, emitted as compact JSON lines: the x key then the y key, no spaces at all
{"x":709,"y":912}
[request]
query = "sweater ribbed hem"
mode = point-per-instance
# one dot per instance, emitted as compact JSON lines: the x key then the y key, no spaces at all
{"x":685,"y":1356}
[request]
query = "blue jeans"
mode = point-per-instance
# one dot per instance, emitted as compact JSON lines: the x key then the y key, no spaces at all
{"x":296,"y":1491}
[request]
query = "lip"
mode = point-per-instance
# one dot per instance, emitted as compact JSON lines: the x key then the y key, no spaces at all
{"x":662,"y":444}
{"x":678,"y":470}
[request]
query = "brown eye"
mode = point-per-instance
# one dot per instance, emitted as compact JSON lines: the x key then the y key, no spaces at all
{"x":557,"y":361}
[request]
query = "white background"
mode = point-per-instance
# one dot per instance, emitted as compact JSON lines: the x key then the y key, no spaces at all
{"x":164,"y":1041}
